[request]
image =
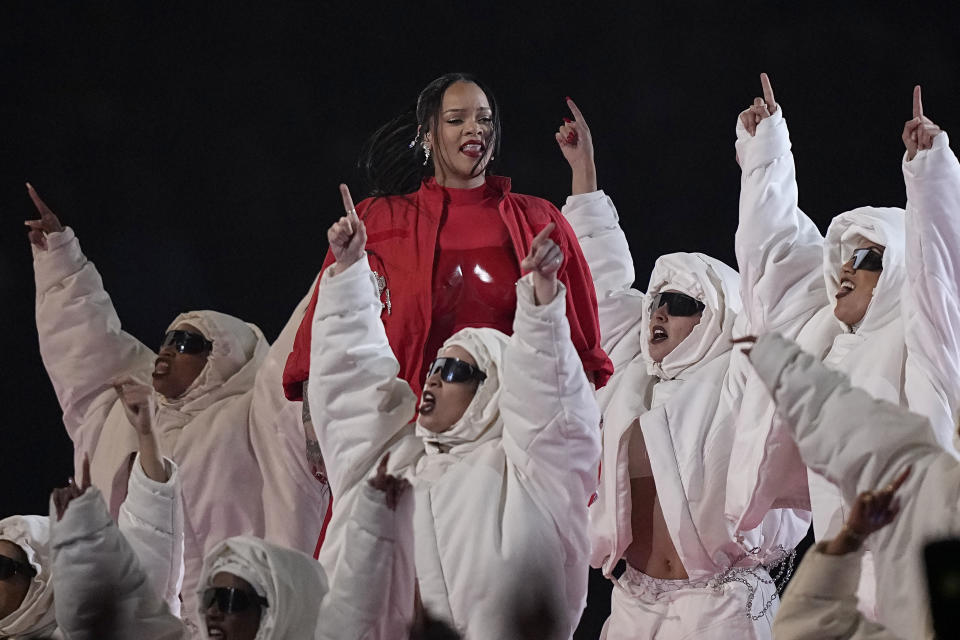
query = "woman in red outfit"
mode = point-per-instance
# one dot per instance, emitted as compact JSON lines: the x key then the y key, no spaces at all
{"x":445,"y":238}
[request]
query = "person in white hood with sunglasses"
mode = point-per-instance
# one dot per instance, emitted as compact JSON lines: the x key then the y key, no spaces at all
{"x":220,"y":410}
{"x":670,"y":419}
{"x":503,"y":454}
{"x":877,"y":298}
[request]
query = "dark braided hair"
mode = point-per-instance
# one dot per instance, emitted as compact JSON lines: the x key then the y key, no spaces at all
{"x":390,"y":166}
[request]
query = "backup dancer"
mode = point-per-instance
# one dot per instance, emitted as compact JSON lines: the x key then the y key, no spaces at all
{"x":250,"y":589}
{"x":670,"y":419}
{"x":878,"y":298}
{"x":503,"y":456}
{"x":220,"y":411}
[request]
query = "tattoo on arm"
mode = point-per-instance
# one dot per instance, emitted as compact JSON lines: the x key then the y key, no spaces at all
{"x":314,"y":455}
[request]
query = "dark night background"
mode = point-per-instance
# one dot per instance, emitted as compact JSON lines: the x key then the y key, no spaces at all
{"x":196,"y":148}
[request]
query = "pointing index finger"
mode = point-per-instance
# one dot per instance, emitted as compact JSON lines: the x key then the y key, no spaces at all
{"x":917,"y":103}
{"x":544,"y":233}
{"x":900,"y":479}
{"x":577,"y":114}
{"x":768,"y":92}
{"x":347,"y":201}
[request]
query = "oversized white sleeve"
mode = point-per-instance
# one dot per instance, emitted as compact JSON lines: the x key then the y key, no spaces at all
{"x":294,"y":501}
{"x":821,"y":602}
{"x":856,"y":441}
{"x":102,"y":590}
{"x":81,"y":341}
{"x":151,"y":519}
{"x":373,"y":582}
{"x":932,"y":294}
{"x":594,"y":220}
{"x":358,"y":404}
{"x":779,"y":249}
{"x":551,"y":421}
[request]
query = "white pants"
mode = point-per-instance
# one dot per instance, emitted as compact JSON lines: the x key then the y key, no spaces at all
{"x":644,"y":608}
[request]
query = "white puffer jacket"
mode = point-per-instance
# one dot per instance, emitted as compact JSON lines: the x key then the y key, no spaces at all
{"x":862,"y":444}
{"x":238,"y":442}
{"x":501,"y":498}
{"x":907,"y":347}
{"x":687,"y":406}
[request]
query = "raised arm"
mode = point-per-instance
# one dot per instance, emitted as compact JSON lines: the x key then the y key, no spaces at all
{"x":932,"y":296}
{"x":595,"y":222}
{"x":550,"y":415}
{"x":373,"y":582}
{"x":779,"y":249}
{"x":358,"y":404}
{"x":82,"y":343}
{"x":294,"y":497}
{"x":102,"y":589}
{"x":854,"y":440}
{"x":151,"y":515}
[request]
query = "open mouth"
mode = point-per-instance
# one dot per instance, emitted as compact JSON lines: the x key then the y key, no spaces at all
{"x":846,"y":288}
{"x":427,"y":403}
{"x":658,"y":334}
{"x":215,"y":632}
{"x":473,"y":148}
{"x":161,"y":367}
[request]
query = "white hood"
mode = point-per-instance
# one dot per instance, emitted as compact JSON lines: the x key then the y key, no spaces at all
{"x":35,"y":615}
{"x":481,"y":421}
{"x":884,"y":226}
{"x":238,"y":350}
{"x":293,"y":583}
{"x":715,"y":285}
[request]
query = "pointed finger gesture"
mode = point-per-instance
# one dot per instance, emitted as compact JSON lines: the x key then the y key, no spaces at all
{"x":348,"y":235}
{"x":543,"y":260}
{"x":573,"y":136}
{"x":64,"y":495}
{"x":394,"y":487}
{"x":919,"y":131}
{"x":139,"y":403}
{"x":761,"y":108}
{"x":873,"y":510}
{"x":48,"y":222}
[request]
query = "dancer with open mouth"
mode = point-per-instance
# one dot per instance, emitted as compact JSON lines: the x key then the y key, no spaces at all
{"x":502,"y":456}
{"x":877,"y":298}
{"x":670,"y":423}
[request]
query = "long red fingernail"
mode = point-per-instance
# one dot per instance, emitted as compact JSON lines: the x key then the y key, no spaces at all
{"x":567,"y":98}
{"x":568,"y":120}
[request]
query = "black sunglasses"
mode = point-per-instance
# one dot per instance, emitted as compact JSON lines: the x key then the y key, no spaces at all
{"x":231,"y":600}
{"x":454,"y":370}
{"x":186,"y":341}
{"x":9,"y":566}
{"x":678,"y":304}
{"x":867,"y":259}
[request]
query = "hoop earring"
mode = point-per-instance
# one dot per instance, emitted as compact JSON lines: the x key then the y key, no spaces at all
{"x":426,"y":153}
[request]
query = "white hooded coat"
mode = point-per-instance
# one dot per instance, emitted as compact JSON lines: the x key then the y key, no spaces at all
{"x":111,"y":584}
{"x":35,"y":616}
{"x":907,"y":347}
{"x":686,"y":407}
{"x":500,"y":497}
{"x":226,"y":433}
{"x":861,"y":444}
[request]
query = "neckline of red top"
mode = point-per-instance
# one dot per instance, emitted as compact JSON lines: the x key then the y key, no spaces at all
{"x":487,"y":191}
